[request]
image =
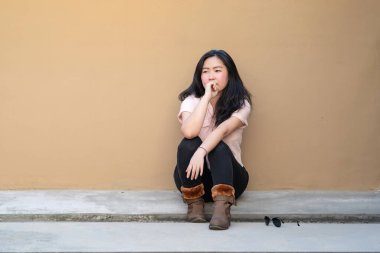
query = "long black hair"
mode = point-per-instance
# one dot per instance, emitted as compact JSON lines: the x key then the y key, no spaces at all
{"x":233,"y":96}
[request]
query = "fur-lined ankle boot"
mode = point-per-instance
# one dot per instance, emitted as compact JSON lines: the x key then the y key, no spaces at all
{"x":195,"y":203}
{"x":224,"y":197}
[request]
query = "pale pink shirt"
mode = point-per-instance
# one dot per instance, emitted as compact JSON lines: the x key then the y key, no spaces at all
{"x":234,"y":139}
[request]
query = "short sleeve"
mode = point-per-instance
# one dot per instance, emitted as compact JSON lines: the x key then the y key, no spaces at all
{"x":187,"y":105}
{"x":243,"y":113}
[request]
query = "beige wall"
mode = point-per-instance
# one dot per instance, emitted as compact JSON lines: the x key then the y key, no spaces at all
{"x":88,"y":90}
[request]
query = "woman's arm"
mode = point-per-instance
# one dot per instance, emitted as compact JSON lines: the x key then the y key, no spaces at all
{"x":192,"y":122}
{"x":223,"y":130}
{"x":195,"y":167}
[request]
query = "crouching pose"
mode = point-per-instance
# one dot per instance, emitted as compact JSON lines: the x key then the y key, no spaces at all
{"x":213,"y":114}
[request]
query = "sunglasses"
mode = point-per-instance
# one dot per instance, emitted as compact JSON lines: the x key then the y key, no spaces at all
{"x":276,"y":221}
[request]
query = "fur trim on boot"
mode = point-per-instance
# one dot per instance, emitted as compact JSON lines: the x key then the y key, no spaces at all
{"x":193,"y":192}
{"x":222,"y":190}
{"x":224,"y":197}
{"x":195,"y":203}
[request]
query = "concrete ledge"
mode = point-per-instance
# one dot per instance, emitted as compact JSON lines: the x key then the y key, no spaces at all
{"x":147,"y":206}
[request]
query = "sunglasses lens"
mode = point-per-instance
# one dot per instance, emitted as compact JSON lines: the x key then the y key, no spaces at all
{"x":267,"y":220}
{"x":276,"y":222}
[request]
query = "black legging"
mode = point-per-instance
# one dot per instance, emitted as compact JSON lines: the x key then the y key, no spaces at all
{"x":224,"y":168}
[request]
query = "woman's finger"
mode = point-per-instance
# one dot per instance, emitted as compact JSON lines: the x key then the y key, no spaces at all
{"x":193,"y":173}
{"x":196,"y":173}
{"x":188,"y":170}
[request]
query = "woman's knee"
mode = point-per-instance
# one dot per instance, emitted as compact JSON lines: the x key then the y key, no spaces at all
{"x":221,"y":148}
{"x":189,"y":145}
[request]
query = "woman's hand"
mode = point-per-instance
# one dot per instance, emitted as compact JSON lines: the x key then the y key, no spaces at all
{"x":195,"y":167}
{"x":211,"y":89}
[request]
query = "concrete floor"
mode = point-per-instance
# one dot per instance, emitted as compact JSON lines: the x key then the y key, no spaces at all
{"x":186,"y":237}
{"x":36,"y":221}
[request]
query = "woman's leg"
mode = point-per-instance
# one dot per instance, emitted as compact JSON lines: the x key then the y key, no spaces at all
{"x":192,"y":190}
{"x":186,"y":149}
{"x":225,"y":169}
{"x":206,"y":180}
{"x":229,"y":183}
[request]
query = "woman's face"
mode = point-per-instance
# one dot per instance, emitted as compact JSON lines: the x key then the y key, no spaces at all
{"x":215,"y":70}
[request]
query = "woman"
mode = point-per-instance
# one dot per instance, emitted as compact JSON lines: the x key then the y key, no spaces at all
{"x":214,"y":111}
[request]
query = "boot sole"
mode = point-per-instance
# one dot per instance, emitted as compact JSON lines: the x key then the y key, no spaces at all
{"x":198,"y":220}
{"x":215,"y":227}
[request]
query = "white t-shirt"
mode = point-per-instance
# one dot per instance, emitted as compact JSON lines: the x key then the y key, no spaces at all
{"x":234,"y":139}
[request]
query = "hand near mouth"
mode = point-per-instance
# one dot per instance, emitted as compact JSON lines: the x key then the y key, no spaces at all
{"x":211,"y":89}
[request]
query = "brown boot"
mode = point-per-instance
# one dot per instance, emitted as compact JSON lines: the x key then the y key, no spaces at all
{"x":224,"y":197}
{"x":195,"y":203}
